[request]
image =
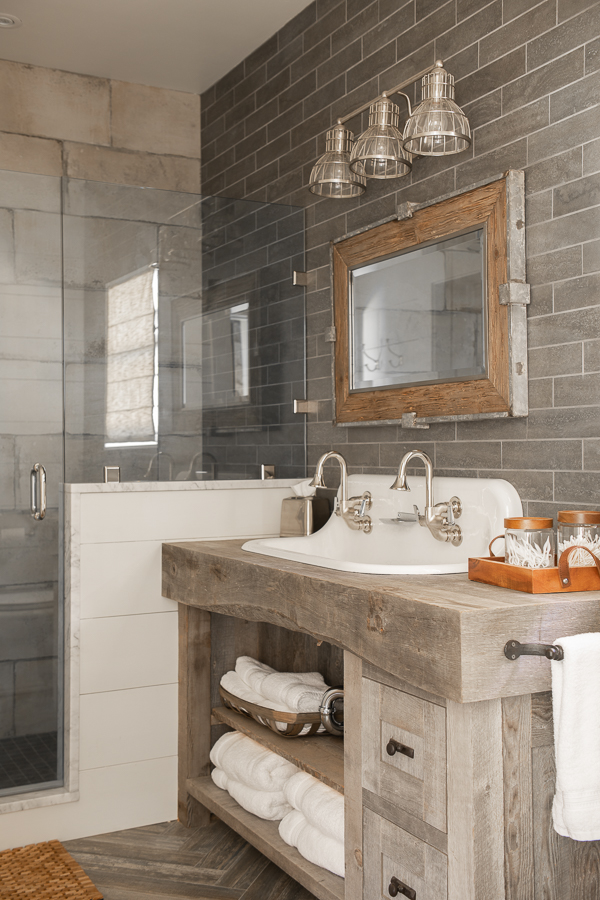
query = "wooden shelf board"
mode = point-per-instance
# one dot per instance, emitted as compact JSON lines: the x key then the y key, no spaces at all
{"x":264,"y":835}
{"x":321,"y":755}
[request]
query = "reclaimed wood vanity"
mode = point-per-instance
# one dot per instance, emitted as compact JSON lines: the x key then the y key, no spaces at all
{"x":468,"y":816}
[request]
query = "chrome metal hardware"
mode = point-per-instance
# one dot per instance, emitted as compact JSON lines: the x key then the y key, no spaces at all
{"x":398,"y":887}
{"x":440,"y":518}
{"x":300,"y":278}
{"x":267,"y":473}
{"x":514,"y":649}
{"x":306,"y":406}
{"x":112,"y":474}
{"x":352,"y":510}
{"x":403,"y":517}
{"x":38,"y":491}
{"x":394,"y":746}
{"x":332,"y":713}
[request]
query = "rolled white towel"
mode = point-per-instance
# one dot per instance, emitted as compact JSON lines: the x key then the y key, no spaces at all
{"x":270,"y":805}
{"x":298,"y":691}
{"x":312,"y":844}
{"x":252,"y":672}
{"x":322,"y":807}
{"x":232,"y":682}
{"x":247,"y":762}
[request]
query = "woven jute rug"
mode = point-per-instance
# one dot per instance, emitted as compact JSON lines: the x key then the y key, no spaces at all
{"x":43,"y":872}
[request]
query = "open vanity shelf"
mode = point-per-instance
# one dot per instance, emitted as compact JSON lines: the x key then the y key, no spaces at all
{"x":265,"y":837}
{"x":321,"y":755}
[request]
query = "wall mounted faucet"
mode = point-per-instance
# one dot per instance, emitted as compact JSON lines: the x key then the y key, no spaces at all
{"x":440,"y":517}
{"x":352,"y":510}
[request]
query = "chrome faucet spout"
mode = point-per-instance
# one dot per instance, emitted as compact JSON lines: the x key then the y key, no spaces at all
{"x":352,"y":510}
{"x":438,"y":518}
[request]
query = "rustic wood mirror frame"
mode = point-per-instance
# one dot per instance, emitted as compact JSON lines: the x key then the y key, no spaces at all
{"x":498,"y":206}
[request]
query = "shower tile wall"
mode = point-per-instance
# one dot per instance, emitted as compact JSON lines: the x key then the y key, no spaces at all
{"x":30,"y":431}
{"x":528,"y":76}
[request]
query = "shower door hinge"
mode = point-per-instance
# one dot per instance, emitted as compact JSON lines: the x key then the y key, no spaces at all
{"x":306,"y":406}
{"x":300,"y":278}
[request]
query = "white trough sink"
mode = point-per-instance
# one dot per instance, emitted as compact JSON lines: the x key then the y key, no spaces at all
{"x":405,"y":548}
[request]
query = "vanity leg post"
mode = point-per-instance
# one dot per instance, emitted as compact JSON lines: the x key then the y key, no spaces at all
{"x":194,"y":710}
{"x":353,"y":776}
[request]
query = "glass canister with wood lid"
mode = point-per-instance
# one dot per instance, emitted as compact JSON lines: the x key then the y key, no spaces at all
{"x":579,"y":528}
{"x":529,"y":542}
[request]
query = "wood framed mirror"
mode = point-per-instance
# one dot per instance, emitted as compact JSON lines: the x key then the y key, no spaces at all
{"x":429,"y":311}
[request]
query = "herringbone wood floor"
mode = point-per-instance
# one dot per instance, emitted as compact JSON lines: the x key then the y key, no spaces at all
{"x":169,"y":862}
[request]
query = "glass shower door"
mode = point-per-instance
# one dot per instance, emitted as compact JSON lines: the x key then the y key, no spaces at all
{"x":31,"y":435}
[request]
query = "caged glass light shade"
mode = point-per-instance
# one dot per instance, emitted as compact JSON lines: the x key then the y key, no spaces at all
{"x":379,"y":151}
{"x":331,"y":175}
{"x":437,"y":127}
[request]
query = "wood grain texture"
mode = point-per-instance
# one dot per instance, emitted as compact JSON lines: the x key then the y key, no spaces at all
{"x":552,"y":876}
{"x":390,"y":851}
{"x":394,"y":813}
{"x":264,"y":836}
{"x":353,"y":766}
{"x":518,"y":815}
{"x":416,"y":784}
{"x":168,"y":861}
{"x":452,"y":631}
{"x":493,"y":570}
{"x":482,"y":207}
{"x":475,"y":801}
{"x":322,"y":755}
{"x":194,"y":709}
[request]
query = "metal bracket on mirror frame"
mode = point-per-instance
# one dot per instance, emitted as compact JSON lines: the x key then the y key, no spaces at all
{"x":410,"y":420}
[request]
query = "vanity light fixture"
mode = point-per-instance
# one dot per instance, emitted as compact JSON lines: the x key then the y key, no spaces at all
{"x":9,"y":21}
{"x":437,"y":127}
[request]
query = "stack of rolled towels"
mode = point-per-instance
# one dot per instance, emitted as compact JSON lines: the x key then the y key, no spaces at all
{"x":292,"y":692}
{"x":310,"y":814}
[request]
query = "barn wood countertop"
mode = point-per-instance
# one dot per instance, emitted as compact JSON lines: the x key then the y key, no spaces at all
{"x":441,"y":633}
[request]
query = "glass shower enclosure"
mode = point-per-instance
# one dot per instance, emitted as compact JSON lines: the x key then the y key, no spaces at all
{"x":154,"y":332}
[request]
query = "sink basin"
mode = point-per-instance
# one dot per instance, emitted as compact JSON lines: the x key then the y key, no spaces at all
{"x":404,"y":548}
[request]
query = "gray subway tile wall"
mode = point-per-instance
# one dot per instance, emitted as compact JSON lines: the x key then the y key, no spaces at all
{"x":528,"y":75}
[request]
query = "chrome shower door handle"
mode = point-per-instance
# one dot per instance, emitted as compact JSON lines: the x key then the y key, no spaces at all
{"x":38,"y":491}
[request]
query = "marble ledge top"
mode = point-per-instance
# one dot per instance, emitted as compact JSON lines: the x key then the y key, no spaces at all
{"x":124,"y":487}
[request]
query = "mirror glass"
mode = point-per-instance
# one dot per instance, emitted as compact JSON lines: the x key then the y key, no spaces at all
{"x":418,"y":317}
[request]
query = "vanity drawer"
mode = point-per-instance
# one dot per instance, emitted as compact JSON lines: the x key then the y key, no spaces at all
{"x":411,"y":771}
{"x":391,"y":853}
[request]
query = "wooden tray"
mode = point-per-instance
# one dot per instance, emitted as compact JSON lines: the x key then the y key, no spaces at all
{"x":294,"y":722}
{"x":493,"y":570}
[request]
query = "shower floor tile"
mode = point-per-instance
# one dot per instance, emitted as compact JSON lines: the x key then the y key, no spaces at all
{"x":31,"y":759}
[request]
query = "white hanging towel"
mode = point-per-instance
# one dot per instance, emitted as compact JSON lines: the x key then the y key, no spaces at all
{"x":576,"y":711}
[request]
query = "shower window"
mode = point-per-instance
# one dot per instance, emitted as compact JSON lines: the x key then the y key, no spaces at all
{"x":132,"y":360}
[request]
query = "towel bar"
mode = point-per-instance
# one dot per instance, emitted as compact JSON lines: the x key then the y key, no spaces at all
{"x":514,"y":649}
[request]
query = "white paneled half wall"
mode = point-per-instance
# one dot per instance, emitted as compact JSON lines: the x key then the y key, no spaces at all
{"x":121,"y":650}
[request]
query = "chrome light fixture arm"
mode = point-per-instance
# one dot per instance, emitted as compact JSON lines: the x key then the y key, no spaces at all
{"x":354,"y":510}
{"x":439,"y":518}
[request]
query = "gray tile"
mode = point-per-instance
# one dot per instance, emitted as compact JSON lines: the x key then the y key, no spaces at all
{"x":336,"y":65}
{"x":509,"y":128}
{"x":427,"y":30}
{"x":591,"y":257}
{"x":577,"y":195}
{"x":591,"y":356}
{"x":591,"y":157}
{"x":563,"y":38}
{"x":542,"y":301}
{"x":581,"y":95}
{"x":569,"y":8}
{"x":356,"y":27}
{"x":470,"y":30}
{"x":529,"y":484}
{"x":577,"y":487}
{"x":540,"y":393}
{"x":578,"y":129}
{"x":311,"y":58}
{"x":563,"y":232}
{"x":538,"y":208}
{"x":371,"y":67}
{"x":563,"y":360}
{"x":389,"y":26}
{"x":466,"y":8}
{"x":577,"y":390}
{"x":469,"y":454}
{"x":564,"y":328}
{"x":492,"y":77}
{"x":519,"y":31}
{"x":563,"y":167}
{"x":550,"y":454}
{"x":577,"y":293}
{"x":591,"y":455}
{"x":492,"y":429}
{"x":543,"y":81}
{"x":554,"y":266}
{"x":564,"y":423}
{"x":286,"y":56}
{"x":592,"y":56}
{"x":513,"y":156}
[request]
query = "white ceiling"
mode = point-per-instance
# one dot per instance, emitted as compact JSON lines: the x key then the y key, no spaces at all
{"x":185,"y":45}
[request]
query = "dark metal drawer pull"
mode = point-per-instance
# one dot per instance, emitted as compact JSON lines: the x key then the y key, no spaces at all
{"x":398,"y":887}
{"x":395,"y":746}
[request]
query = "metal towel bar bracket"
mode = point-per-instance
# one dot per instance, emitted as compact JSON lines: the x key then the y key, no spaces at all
{"x":514,"y":649}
